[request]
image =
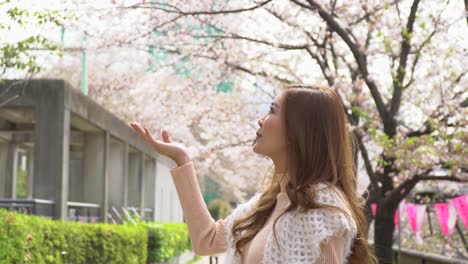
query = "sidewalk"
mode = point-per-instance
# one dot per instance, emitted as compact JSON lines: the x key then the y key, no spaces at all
{"x":188,"y":256}
{"x":206,"y":260}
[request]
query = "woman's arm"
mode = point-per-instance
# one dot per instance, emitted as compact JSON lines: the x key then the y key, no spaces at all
{"x":208,"y":236}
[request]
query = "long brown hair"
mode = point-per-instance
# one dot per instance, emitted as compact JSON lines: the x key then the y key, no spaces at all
{"x":319,"y":151}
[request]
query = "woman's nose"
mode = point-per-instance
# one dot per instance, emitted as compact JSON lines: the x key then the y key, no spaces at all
{"x":260,"y":122}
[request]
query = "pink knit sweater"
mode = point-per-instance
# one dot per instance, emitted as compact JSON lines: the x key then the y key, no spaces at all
{"x":209,"y":236}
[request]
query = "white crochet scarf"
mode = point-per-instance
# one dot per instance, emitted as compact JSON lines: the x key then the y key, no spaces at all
{"x":299,"y":234}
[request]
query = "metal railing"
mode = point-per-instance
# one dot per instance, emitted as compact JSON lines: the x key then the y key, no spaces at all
{"x":119,"y":215}
{"x":83,"y":212}
{"x":400,"y":256}
{"x":147,"y":214}
{"x":27,"y":206}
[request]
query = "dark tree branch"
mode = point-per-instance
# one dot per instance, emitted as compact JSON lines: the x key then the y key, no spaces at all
{"x":405,"y":188}
{"x":358,"y":133}
{"x":322,"y":65}
{"x":466,"y":11}
{"x":421,"y":47}
{"x":401,"y":71}
{"x":360,"y":58}
{"x":426,"y":130}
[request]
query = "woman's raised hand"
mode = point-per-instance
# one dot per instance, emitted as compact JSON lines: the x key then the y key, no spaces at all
{"x":166,"y":147}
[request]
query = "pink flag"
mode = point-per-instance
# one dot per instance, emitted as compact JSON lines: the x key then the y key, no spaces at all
{"x":447,"y":217}
{"x":411,"y":210}
{"x":395,"y":219}
{"x":399,"y":213}
{"x":416,"y":213}
{"x":461,"y":205}
{"x":374,"y":208}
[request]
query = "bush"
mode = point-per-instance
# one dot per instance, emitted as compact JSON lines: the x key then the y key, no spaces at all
{"x":219,"y":209}
{"x":32,"y":239}
{"x":167,"y":240}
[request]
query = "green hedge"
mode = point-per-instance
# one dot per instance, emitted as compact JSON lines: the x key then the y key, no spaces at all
{"x":31,"y":239}
{"x":167,"y":240}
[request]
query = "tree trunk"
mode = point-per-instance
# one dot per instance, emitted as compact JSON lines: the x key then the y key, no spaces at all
{"x":383,"y":240}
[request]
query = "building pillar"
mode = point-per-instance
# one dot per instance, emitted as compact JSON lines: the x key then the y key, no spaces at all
{"x":135,"y":172}
{"x":95,"y":171}
{"x":125,"y":173}
{"x":150,"y":185}
{"x":117,"y":174}
{"x":76,"y":177}
{"x":51,"y":151}
{"x":12,"y":171}
{"x":30,"y":169}
{"x":3,"y":169}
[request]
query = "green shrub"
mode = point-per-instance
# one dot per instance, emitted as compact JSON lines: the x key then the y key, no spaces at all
{"x":167,"y":240}
{"x":32,"y":239}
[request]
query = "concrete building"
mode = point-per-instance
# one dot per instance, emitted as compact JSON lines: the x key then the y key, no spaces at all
{"x":62,"y":155}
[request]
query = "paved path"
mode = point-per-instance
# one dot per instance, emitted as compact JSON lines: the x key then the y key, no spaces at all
{"x":206,"y":260}
{"x":186,"y":257}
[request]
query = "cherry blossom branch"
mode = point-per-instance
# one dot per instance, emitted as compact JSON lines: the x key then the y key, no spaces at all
{"x":176,"y":10}
{"x":405,"y":187}
{"x":277,"y":45}
{"x":428,"y":128}
{"x":359,"y":56}
{"x":223,"y":146}
{"x":368,"y":14}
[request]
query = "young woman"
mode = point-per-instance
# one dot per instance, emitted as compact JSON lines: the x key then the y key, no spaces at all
{"x":310,"y":211}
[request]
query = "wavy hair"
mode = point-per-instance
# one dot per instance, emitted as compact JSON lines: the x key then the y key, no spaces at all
{"x":320,"y":150}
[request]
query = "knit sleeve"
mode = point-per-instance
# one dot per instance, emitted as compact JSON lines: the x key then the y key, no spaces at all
{"x":332,"y":252}
{"x":207,"y":235}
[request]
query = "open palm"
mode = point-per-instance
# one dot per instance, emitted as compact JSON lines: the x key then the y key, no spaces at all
{"x":175,"y":151}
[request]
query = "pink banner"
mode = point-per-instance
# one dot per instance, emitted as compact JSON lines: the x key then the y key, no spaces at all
{"x":416,"y":213}
{"x":447,"y":216}
{"x":374,"y":208}
{"x":395,"y":218}
{"x":411,"y":210}
{"x":399,"y":213}
{"x":442,"y":211}
{"x":461,"y":205}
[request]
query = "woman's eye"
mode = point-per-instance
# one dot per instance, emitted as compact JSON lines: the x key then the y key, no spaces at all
{"x":271,"y":110}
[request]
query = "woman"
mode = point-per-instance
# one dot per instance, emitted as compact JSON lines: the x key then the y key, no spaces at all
{"x":309,"y":213}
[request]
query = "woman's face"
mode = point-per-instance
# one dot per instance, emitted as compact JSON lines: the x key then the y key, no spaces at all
{"x":271,"y":136}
